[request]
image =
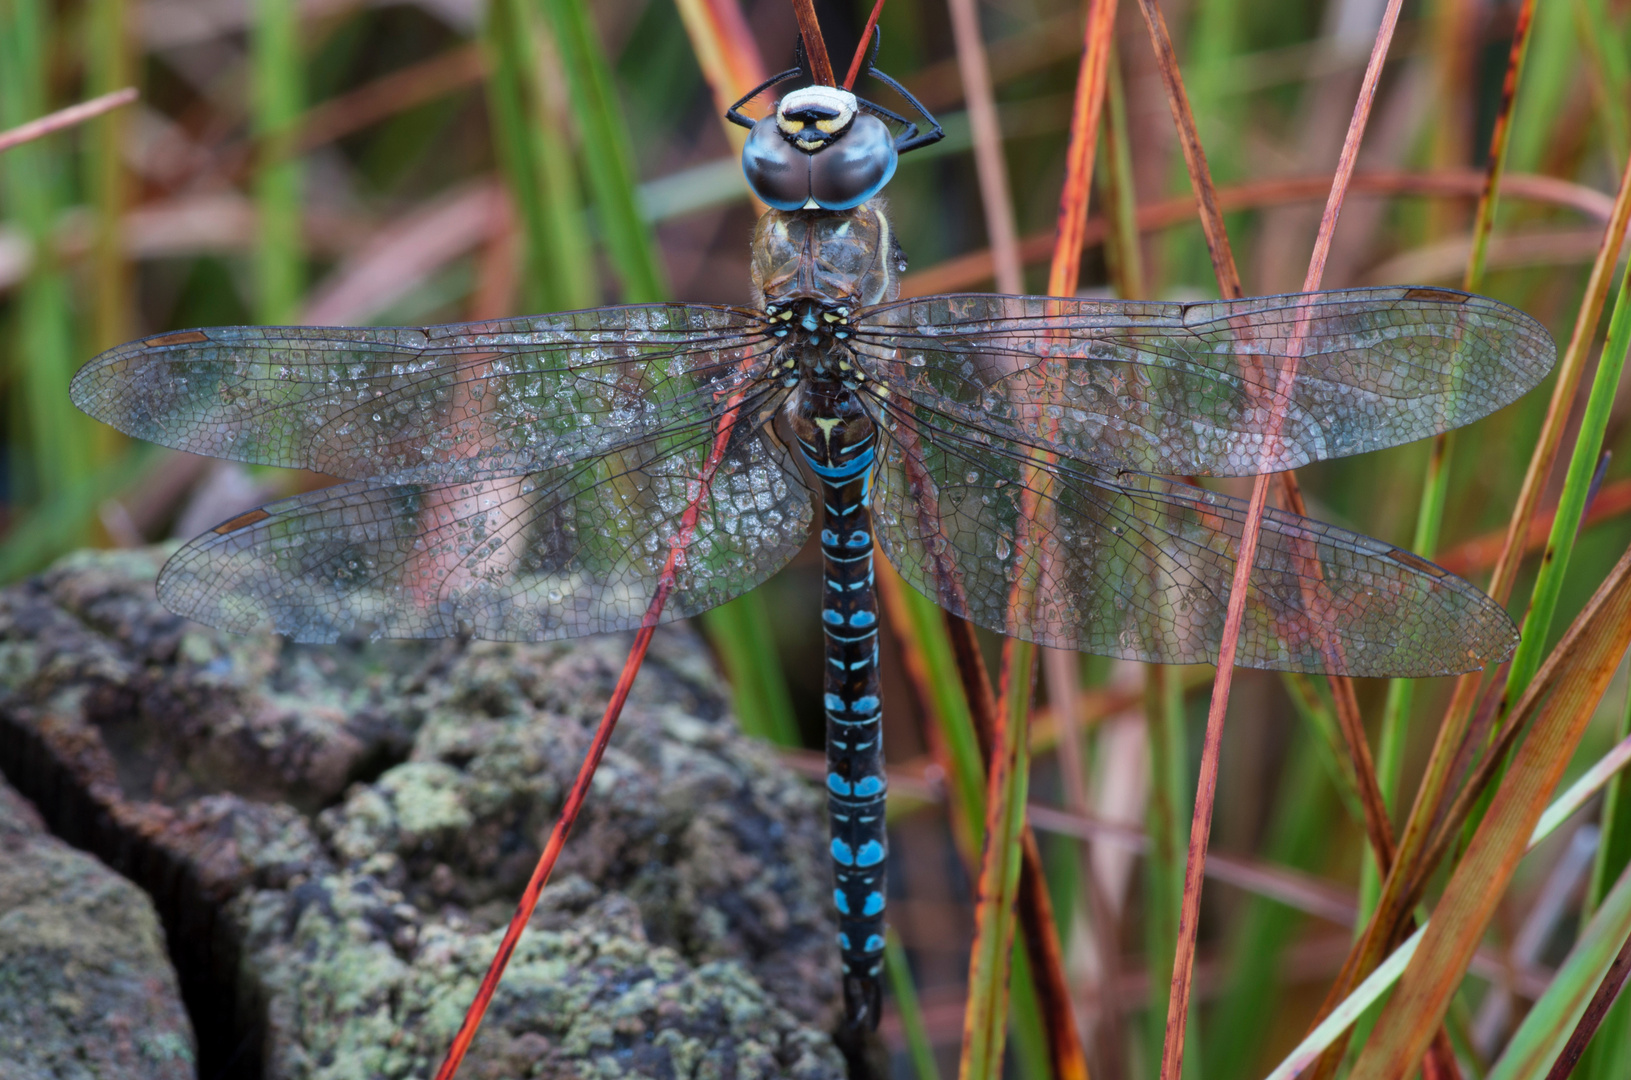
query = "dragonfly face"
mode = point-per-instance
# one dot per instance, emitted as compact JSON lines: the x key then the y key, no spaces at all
{"x":818,"y":151}
{"x":540,"y":477}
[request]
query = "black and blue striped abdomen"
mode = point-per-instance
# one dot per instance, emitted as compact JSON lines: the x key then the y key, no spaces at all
{"x":839,"y":445}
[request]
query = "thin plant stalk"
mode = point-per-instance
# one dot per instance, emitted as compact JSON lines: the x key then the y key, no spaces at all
{"x":1007,"y":774}
{"x":63,"y":119}
{"x":1612,"y":1047}
{"x":1170,"y":795}
{"x":666,"y":580}
{"x":1561,"y":703}
{"x":1347,"y":1010}
{"x":815,"y":46}
{"x":1183,"y":960}
{"x":1435,"y":482}
{"x":1396,"y":899}
{"x":899,"y":972}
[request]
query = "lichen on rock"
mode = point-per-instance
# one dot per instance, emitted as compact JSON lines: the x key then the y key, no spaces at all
{"x":86,"y":990}
{"x":363,"y":817}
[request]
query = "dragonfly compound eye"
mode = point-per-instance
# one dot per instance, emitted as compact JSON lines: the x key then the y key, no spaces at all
{"x":818,"y":152}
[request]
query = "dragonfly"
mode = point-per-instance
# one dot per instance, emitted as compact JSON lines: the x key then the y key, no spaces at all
{"x":1015,"y":458}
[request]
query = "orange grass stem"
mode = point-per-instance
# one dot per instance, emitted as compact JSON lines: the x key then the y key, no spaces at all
{"x":1200,"y":828}
{"x":856,"y":64}
{"x":815,"y":46}
{"x":552,"y":850}
{"x":1092,"y":80}
{"x":666,"y":582}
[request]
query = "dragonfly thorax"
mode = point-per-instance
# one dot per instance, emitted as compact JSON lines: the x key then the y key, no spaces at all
{"x":848,"y":258}
{"x":834,"y":428}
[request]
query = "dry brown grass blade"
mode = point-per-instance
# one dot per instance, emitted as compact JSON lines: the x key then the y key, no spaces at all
{"x":1607,"y":991}
{"x":1397,"y":896}
{"x":1561,"y":705}
{"x":1499,"y":139}
{"x":1569,"y":371}
{"x":971,"y":269}
{"x":815,"y":46}
{"x":1479,"y":553}
{"x":65,"y":118}
{"x":389,"y":95}
{"x":1229,"y":283}
{"x":1035,"y":906}
{"x":1200,"y":174}
{"x":1092,"y":81}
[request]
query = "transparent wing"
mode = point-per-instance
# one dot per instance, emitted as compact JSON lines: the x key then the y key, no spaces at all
{"x":1137,"y":566}
{"x":562,"y":552}
{"x":411,"y":404}
{"x":1189,"y":388}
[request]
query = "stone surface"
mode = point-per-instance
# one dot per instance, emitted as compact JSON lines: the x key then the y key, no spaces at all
{"x":86,"y":990}
{"x":339,"y":833}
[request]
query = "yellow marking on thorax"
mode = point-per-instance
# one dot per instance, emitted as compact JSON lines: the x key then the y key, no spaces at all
{"x":883,"y":255}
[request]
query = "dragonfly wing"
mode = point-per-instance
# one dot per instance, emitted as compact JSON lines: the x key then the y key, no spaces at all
{"x":1190,"y":388}
{"x":411,"y":404}
{"x":558,"y":553}
{"x":1137,"y":566}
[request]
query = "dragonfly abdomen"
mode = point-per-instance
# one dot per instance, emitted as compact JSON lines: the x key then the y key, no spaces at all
{"x":839,"y":444}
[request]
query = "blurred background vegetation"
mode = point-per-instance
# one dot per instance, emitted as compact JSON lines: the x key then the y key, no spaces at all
{"x":335,"y":161}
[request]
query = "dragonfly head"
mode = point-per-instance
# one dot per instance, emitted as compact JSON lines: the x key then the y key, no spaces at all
{"x":819,"y":151}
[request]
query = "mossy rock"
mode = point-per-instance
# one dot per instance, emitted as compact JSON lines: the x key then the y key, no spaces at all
{"x":335,"y":836}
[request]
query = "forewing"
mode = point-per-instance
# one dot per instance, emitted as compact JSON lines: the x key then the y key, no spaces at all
{"x":412,"y":404}
{"x":557,"y":553}
{"x":1189,"y":388}
{"x":1136,"y":566}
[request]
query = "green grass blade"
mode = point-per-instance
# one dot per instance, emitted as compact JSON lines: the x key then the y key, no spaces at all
{"x":57,"y":524}
{"x":922,"y":627}
{"x":1535,"y":1045}
{"x":109,"y":69}
{"x":740,"y":631}
{"x":275,"y":104}
{"x":1602,"y":46}
{"x":985,"y":1033}
{"x":535,"y":156}
{"x":1300,"y":830}
{"x":1401,"y":692}
{"x":899,"y":972}
{"x":1571,"y":504}
{"x":1171,"y":795}
{"x":56,"y":453}
{"x":1371,"y":990}
{"x":1606,"y":1057}
{"x":606,"y":152}
{"x":1560,"y":706}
